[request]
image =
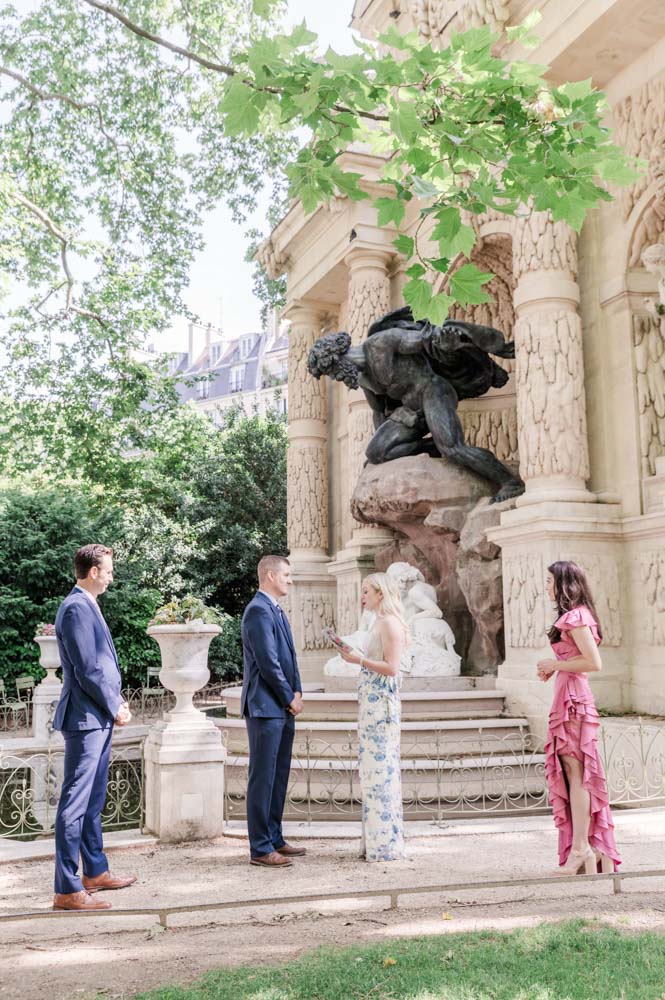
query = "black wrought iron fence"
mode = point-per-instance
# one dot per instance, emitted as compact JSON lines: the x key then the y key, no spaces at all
{"x":446,"y":777}
{"x":30,"y":788}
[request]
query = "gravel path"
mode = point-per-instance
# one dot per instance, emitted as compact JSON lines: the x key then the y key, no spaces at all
{"x":83,"y":957}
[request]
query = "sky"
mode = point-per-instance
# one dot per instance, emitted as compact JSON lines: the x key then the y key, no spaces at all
{"x":220,"y":289}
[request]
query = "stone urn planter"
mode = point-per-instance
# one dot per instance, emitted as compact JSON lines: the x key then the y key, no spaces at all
{"x":184,"y":754}
{"x":47,"y":693}
{"x":184,"y":651}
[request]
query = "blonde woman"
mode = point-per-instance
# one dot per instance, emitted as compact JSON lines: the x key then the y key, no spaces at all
{"x":379,"y":721}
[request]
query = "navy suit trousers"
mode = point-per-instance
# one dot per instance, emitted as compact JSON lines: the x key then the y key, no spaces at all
{"x":78,"y":824}
{"x":270,"y":743}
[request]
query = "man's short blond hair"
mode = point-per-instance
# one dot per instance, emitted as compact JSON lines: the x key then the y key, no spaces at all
{"x":270,"y":564}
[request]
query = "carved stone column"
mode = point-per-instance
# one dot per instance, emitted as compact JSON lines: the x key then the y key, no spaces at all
{"x":307,"y":459}
{"x":311,"y":603}
{"x":551,"y":405}
{"x":368,"y":299}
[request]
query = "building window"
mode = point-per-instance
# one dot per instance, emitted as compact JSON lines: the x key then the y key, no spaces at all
{"x":203,"y":388}
{"x":245,"y":346}
{"x":215,"y":353}
{"x":237,"y":374}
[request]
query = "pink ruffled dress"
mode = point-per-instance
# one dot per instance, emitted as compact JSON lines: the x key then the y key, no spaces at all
{"x":573,"y":732}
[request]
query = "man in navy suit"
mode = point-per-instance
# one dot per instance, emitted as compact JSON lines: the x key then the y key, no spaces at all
{"x":89,"y":705}
{"x":271,"y":699}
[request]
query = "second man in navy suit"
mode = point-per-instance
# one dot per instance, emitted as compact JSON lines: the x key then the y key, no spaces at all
{"x":271,"y":699}
{"x":90,"y":704}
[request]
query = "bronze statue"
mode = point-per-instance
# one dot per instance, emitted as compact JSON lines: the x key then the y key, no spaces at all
{"x":413,"y":374}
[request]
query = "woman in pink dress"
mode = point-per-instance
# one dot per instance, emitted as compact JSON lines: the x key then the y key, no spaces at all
{"x":575,"y":776}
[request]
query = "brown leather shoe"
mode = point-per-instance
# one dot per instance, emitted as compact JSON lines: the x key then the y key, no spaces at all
{"x":78,"y":901}
{"x":291,"y":852}
{"x":272,"y":860}
{"x":107,"y":881}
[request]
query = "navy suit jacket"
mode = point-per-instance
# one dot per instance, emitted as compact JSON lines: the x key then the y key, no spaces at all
{"x":91,"y":679}
{"x":270,"y":669}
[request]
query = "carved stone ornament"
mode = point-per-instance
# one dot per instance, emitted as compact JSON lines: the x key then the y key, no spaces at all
{"x":524,"y":598}
{"x":649,"y":355}
{"x":433,"y":16}
{"x":316,"y":611}
{"x":273,"y":261}
{"x":640,"y":129}
{"x":550,"y":395}
{"x":308,"y":497}
{"x":652,"y":566}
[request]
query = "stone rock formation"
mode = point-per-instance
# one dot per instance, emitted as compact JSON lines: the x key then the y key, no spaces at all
{"x":441,"y":512}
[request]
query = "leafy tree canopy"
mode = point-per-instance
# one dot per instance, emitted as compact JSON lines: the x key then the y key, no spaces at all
{"x":123,"y":123}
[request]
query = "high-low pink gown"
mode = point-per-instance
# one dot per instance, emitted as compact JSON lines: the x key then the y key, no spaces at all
{"x":573,"y":732}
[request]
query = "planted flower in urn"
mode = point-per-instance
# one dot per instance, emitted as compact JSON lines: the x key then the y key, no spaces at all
{"x":184,"y":629}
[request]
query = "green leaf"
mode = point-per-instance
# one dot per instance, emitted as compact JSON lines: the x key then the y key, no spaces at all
{"x":439,"y":308}
{"x":349,"y":184}
{"x":451,"y":235}
{"x":264,"y":8}
{"x":422,"y":188}
{"x":523,"y":32}
{"x":440,"y":264}
{"x":571,"y":209}
{"x":404,"y":244}
{"x":237,"y":105}
{"x":389,"y":210}
{"x":418,"y":294}
{"x":301,"y":36}
{"x":405,"y":121}
{"x":466,"y":285}
{"x":618,"y":171}
{"x":416,"y":271}
{"x":575,"y":91}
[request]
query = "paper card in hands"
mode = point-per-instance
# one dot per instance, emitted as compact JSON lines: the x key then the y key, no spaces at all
{"x":339,"y":643}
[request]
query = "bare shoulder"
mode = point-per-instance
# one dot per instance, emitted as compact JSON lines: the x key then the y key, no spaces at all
{"x":391,"y":627}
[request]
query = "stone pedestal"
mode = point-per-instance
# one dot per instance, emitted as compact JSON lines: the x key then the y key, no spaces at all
{"x":184,"y":755}
{"x":47,"y":693}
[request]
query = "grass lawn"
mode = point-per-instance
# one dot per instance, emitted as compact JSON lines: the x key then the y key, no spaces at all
{"x":575,"y":960}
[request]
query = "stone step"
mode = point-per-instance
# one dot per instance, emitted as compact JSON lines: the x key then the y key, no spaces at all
{"x":329,"y":789}
{"x":416,"y":705}
{"x":469,"y":682}
{"x":420,"y":739}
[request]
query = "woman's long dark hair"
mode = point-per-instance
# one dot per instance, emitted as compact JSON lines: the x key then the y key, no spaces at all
{"x":571,"y":590}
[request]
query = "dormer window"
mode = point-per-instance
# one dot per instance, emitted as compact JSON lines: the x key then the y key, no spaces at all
{"x":246,"y":346}
{"x":215,"y":353}
{"x":237,"y":373}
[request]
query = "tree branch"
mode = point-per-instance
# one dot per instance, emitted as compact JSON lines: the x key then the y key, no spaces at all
{"x":45,"y":95}
{"x":64,"y":241}
{"x":218,"y":67}
{"x":107,"y":8}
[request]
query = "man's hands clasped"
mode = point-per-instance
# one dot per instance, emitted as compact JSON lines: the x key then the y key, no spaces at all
{"x":124,"y":715}
{"x":296,"y":706}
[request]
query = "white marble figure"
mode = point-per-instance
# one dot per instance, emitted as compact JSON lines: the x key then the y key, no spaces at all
{"x":432,"y":650}
{"x":432,"y":641}
{"x":336,"y":666}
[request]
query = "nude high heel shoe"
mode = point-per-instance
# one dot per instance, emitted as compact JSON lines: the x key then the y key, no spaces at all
{"x":605,"y":865}
{"x":577,"y":862}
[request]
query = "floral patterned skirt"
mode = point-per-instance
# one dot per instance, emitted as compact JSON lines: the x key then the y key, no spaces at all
{"x":379,"y":766}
